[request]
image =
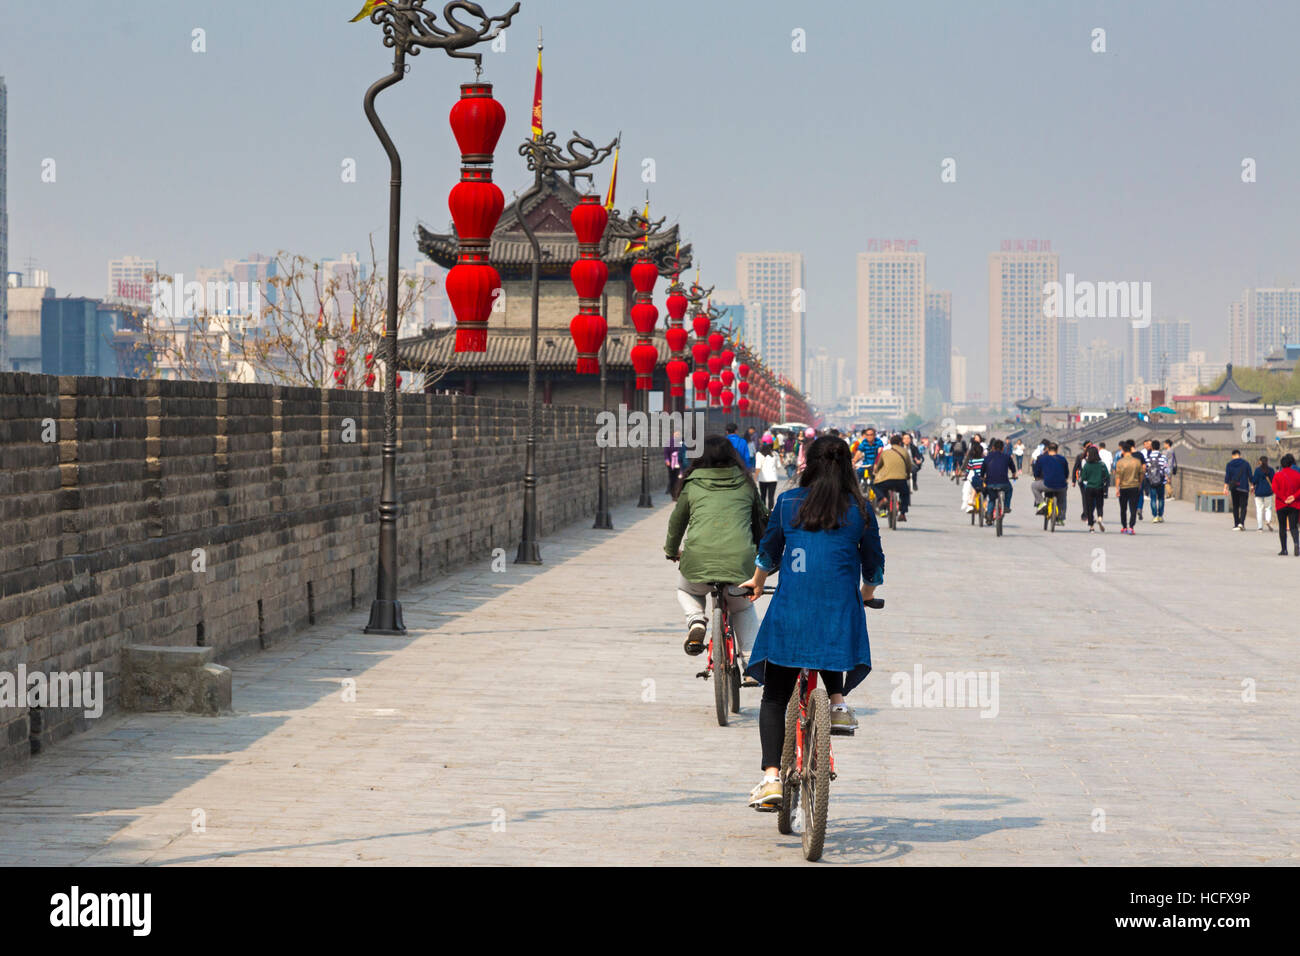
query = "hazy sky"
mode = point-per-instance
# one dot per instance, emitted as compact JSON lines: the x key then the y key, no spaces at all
{"x":1129,"y":161}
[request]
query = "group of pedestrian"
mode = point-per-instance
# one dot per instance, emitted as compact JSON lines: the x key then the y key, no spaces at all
{"x":1276,"y":493}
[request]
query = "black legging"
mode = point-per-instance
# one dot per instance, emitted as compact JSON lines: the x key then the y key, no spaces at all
{"x":768,"y":488}
{"x":778,"y":685}
{"x":1093,"y":501}
{"x":1128,"y":505}
{"x":1285,"y":515}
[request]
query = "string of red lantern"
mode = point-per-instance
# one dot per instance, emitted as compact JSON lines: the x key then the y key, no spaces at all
{"x":644,"y":315}
{"x":589,"y":274}
{"x":475,"y":203}
{"x":676,"y":335}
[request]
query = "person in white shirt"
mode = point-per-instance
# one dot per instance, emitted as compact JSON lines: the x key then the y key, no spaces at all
{"x":1019,"y":452}
{"x":765,"y":463}
{"x":1106,"y":457}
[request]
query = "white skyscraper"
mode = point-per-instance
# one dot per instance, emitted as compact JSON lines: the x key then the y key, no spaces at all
{"x":776,"y":281}
{"x":1023,"y":341}
{"x":131,"y":279}
{"x":891,"y":324}
{"x":958,"y":377}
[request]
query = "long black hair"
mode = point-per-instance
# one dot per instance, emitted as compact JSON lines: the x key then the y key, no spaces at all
{"x":832,"y":486}
{"x":718,"y":452}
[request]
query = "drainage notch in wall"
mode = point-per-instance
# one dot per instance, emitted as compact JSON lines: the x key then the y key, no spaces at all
{"x":419,"y":560}
{"x":354,"y":588}
{"x":261,"y":625}
{"x":200,"y":637}
{"x":35,"y":720}
{"x":311,"y":604}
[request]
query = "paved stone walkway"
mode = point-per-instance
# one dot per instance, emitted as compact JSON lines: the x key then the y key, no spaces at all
{"x":549,"y":716}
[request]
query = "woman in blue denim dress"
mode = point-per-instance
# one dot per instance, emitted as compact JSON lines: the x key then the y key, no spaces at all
{"x":825,"y":541}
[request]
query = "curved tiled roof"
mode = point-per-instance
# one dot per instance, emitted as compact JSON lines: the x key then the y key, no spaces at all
{"x":507,"y":349}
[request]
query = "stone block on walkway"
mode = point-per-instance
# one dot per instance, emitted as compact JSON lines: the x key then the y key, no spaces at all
{"x":175,"y":679}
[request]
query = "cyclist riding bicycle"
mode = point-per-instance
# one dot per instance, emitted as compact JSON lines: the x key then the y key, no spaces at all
{"x":864,"y":455}
{"x":891,"y":471}
{"x":721,"y":513}
{"x":998,"y":470}
{"x":826,"y":543}
{"x":1052,"y":474}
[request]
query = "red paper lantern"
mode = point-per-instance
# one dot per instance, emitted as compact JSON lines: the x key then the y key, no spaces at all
{"x":644,"y":317}
{"x":715,"y":341}
{"x":588,"y":331}
{"x":699,"y":381}
{"x":676,"y":303}
{"x":644,"y":357}
{"x":477,"y":121}
{"x":589,"y":220}
{"x":589,"y":277}
{"x":742,"y":386}
{"x":728,"y":356}
{"x":676,"y":336}
{"x":475,"y":203}
{"x":701,"y":325}
{"x":743,"y":370}
{"x":715,"y":391}
{"x":644,"y":273}
{"x":727,"y":377}
{"x":727,"y":398}
{"x":743,"y":404}
{"x":589,"y":274}
{"x":700,"y":352}
{"x":676,"y":371}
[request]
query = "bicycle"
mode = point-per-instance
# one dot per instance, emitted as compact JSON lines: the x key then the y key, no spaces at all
{"x":726,"y":662}
{"x":1052,"y":513}
{"x":995,"y":509}
{"x":977,"y":512}
{"x":891,"y":508}
{"x":807,"y":761}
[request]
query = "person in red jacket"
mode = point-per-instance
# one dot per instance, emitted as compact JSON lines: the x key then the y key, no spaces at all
{"x":1286,"y":502}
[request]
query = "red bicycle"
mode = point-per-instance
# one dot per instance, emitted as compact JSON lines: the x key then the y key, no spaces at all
{"x":807,"y":760}
{"x":726,"y":661}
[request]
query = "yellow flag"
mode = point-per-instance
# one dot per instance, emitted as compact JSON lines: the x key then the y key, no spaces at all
{"x":368,"y":9}
{"x":613,"y":183}
{"x":537,"y":98}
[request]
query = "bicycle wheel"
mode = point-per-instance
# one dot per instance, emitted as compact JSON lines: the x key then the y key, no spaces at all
{"x":789,"y":785}
{"x":721,"y":672}
{"x":815,"y":784}
{"x":999,"y":507}
{"x":980,"y":510}
{"x":893,"y":510}
{"x":1052,"y":514}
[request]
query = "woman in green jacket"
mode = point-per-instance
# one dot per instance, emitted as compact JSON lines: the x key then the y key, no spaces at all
{"x":1093,"y":479}
{"x":720,"y":512}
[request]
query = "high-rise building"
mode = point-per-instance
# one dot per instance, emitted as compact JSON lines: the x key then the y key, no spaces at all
{"x":1023,"y":355}
{"x":776,"y":281}
{"x":131,"y":279}
{"x":891,"y":325}
{"x":430,"y":310}
{"x":958,"y":380}
{"x":843,"y":380}
{"x":24,"y":349}
{"x":819,"y":382}
{"x":938,"y":342}
{"x":4,"y":227}
{"x":1100,"y":375}
{"x":744,"y":315}
{"x":1241,"y":339}
{"x":1153,"y":348}
{"x":1270,"y":312}
{"x":1067,"y":363}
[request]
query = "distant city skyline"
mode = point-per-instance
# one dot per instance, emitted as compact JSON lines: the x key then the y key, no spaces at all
{"x":1143,"y":193}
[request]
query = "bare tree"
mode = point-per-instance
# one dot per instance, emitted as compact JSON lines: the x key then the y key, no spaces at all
{"x":310,"y":326}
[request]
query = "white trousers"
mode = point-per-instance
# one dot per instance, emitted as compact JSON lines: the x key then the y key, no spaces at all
{"x":692,"y":596}
{"x":1263,"y":510}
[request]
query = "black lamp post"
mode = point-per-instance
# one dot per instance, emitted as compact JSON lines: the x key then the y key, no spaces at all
{"x":544,"y":159}
{"x":407,"y":28}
